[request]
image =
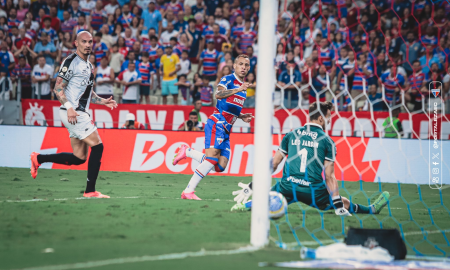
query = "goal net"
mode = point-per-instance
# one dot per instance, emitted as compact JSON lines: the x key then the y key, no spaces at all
{"x":384,"y":66}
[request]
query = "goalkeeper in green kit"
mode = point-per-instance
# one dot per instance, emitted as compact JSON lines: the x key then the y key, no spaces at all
{"x":310,"y":151}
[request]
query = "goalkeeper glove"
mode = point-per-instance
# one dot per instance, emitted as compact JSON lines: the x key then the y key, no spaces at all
{"x":243,"y":194}
{"x":339,"y":208}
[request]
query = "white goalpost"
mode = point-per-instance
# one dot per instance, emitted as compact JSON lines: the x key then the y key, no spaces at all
{"x":262,"y":176}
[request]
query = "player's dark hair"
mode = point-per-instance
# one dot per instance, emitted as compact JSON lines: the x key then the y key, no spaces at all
{"x":315,"y":113}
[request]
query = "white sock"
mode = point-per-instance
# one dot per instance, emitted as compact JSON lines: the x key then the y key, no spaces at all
{"x":201,"y":171}
{"x":195,"y":155}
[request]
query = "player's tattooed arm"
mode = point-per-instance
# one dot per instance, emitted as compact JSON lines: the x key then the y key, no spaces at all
{"x":60,"y":85}
{"x":222,"y":92}
{"x":96,"y":99}
{"x":108,"y":102}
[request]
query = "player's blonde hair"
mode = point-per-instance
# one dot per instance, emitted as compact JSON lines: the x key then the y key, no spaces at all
{"x":241,"y":55}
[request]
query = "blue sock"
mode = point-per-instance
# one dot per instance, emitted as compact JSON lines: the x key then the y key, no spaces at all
{"x":248,"y":205}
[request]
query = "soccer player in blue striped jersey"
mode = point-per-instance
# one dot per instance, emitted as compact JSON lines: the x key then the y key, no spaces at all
{"x":310,"y":152}
{"x":230,"y":95}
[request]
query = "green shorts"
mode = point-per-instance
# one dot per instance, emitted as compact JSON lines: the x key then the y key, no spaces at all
{"x":169,"y":87}
{"x":320,"y":199}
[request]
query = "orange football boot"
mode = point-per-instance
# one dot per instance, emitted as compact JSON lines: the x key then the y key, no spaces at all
{"x":34,"y":164}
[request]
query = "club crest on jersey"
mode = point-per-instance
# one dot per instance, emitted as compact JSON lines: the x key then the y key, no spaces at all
{"x":219,"y":140}
{"x":436,"y":92}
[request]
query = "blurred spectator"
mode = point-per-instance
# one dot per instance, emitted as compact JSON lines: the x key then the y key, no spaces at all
{"x":104,"y":79}
{"x":152,"y":18}
{"x":197,"y":107}
{"x":147,"y":71}
{"x":195,"y":49}
{"x":393,"y":126}
{"x":111,"y":7}
{"x":290,"y":80}
{"x":253,"y":59}
{"x":100,"y":49}
{"x":319,"y":83}
{"x":393,"y":82}
{"x":246,"y":38}
{"x":131,"y":57}
{"x":40,"y":77}
{"x":130,"y":79}
{"x":45,"y":48}
{"x":251,"y":91}
{"x":184,"y":88}
{"x":117,"y":60}
{"x":7,"y":59}
{"x":192,"y":124}
{"x":375,"y":99}
{"x":185,"y":64}
{"x":131,"y":123}
{"x":170,"y":65}
{"x":22,"y":71}
{"x":417,"y":84}
{"x":206,"y":92}
{"x":37,"y":5}
{"x":208,"y":60}
{"x":169,"y":33}
{"x":218,"y":38}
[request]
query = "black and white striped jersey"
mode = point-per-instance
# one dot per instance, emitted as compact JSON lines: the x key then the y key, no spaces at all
{"x":80,"y":75}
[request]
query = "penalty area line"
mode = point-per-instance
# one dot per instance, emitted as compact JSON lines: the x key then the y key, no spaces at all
{"x":147,"y":258}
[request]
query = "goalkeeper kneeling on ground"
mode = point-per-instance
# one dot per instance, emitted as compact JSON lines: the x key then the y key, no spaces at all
{"x":309,"y":151}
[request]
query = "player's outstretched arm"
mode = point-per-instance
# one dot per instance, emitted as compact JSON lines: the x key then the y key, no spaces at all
{"x":279,"y":156}
{"x":333,"y":189}
{"x":222,"y":92}
{"x":109,"y":102}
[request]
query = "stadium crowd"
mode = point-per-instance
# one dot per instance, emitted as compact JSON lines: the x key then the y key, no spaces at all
{"x":178,"y":50}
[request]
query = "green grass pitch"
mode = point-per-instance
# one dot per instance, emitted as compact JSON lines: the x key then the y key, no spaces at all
{"x":155,"y":221}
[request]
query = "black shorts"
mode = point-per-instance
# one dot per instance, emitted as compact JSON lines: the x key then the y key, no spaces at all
{"x":144,"y":90}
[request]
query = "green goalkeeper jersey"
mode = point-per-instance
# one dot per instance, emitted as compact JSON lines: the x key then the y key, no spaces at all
{"x":307,"y":149}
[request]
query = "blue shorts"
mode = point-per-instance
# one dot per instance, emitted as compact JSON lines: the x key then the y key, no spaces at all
{"x":169,"y":87}
{"x":216,"y":137}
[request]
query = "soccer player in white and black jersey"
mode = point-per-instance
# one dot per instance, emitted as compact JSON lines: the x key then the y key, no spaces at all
{"x":74,"y":89}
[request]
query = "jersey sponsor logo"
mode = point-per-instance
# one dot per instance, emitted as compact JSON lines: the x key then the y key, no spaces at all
{"x":308,"y":133}
{"x":298,"y":181}
{"x":87,"y":81}
{"x":240,"y":101}
{"x":64,"y":69}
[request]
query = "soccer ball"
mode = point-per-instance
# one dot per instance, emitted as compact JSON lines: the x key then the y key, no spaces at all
{"x":277,"y":205}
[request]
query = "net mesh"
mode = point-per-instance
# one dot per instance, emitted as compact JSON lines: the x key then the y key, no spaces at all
{"x":362,"y":56}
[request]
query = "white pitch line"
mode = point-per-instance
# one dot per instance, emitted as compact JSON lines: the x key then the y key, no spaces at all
{"x":83,"y":198}
{"x":147,"y":258}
